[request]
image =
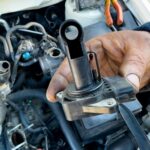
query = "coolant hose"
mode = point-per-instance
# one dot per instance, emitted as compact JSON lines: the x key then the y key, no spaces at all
{"x":34,"y":84}
{"x":56,"y":109}
{"x":19,"y":82}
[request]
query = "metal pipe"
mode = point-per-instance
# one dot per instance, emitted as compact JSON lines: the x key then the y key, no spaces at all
{"x":5,"y":24}
{"x":30,"y":31}
{"x":6,"y":49}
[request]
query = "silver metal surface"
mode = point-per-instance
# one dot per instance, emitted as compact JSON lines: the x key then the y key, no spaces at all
{"x":12,"y":134}
{"x":4,"y":91}
{"x":51,"y":61}
{"x":94,"y":121}
{"x":27,"y":26}
{"x":4,"y":71}
{"x":81,"y":72}
{"x":4,"y":24}
{"x":3,"y":111}
{"x":105,"y":106}
{"x":26,"y":45}
{"x":6,"y":49}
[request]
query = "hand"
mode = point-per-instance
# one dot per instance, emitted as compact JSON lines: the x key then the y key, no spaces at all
{"x":125,"y":53}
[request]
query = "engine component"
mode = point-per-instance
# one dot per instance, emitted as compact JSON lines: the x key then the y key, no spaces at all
{"x":3,"y":111}
{"x":27,"y":52}
{"x":4,"y":89}
{"x":54,"y":18}
{"x":33,"y":129}
{"x":41,"y":28}
{"x":30,"y":50}
{"x":4,"y":75}
{"x":17,"y":138}
{"x":27,"y":119}
{"x":50,"y":62}
{"x":4,"y":71}
{"x":77,"y":100}
{"x":4,"y":79}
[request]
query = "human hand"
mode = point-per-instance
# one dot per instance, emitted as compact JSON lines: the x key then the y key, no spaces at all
{"x":125,"y":53}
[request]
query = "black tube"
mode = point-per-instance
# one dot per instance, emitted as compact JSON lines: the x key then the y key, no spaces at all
{"x":32,"y":83}
{"x":64,"y":124}
{"x":27,"y":94}
{"x":19,"y":81}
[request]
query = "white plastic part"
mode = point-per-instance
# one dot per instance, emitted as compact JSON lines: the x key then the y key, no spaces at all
{"x":140,"y":9}
{"x":84,"y":17}
{"x":7,"y":6}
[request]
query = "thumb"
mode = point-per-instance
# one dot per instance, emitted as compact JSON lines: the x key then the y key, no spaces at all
{"x":57,"y":84}
{"x":59,"y":81}
{"x":134,"y":80}
{"x":134,"y":67}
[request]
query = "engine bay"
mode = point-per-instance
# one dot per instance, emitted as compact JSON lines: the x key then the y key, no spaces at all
{"x":31,"y":50}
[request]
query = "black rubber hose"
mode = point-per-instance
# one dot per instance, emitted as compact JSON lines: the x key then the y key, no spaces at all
{"x":22,"y":95}
{"x":64,"y":124}
{"x":32,"y":83}
{"x":19,"y":82}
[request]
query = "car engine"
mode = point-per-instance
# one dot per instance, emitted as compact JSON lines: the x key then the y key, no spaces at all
{"x":31,"y":50}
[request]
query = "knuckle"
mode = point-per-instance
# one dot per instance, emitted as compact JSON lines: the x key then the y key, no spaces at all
{"x":138,"y":60}
{"x":94,"y":45}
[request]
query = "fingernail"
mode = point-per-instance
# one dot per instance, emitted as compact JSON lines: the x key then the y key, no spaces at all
{"x":50,"y":98}
{"x":134,"y":80}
